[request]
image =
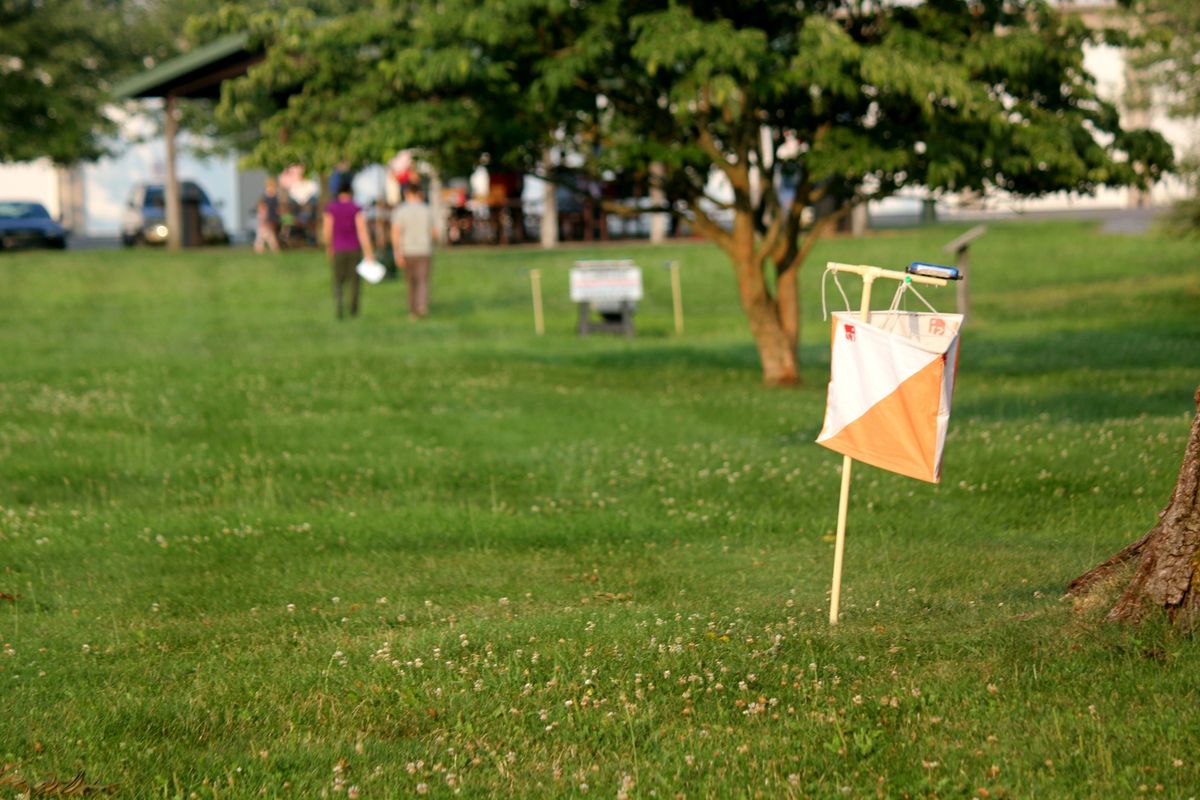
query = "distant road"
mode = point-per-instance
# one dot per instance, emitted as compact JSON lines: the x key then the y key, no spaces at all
{"x":80,"y":242}
{"x":83,"y":242}
{"x":1116,"y":220}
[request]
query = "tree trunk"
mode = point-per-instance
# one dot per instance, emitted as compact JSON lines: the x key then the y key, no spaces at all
{"x":1167,"y":559}
{"x":774,"y":321}
{"x":787,"y":294}
{"x":777,"y":356}
{"x":775,"y":350}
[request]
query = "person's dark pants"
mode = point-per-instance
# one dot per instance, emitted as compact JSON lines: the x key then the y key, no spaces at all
{"x":344,"y":272}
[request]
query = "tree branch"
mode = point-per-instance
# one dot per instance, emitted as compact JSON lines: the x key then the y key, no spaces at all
{"x":711,"y":230}
{"x":624,"y":210}
{"x":768,"y":201}
{"x":776,"y":229}
{"x":818,"y":230}
{"x":739,"y":178}
{"x":785,"y":247}
{"x":780,"y":240}
{"x":716,"y":202}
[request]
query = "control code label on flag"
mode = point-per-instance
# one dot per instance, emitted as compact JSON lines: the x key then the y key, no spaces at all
{"x":891,"y":380}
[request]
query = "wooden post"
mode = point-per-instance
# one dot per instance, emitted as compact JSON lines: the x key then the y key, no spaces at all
{"x":961,"y":300}
{"x":659,"y":221}
{"x":323,"y":199}
{"x":174,"y":200}
{"x":70,"y":198}
{"x":961,"y":248}
{"x":869,"y":275}
{"x":549,"y":232}
{"x":677,"y":297}
{"x":535,"y":280}
{"x":860,"y":220}
{"x":437,"y":205}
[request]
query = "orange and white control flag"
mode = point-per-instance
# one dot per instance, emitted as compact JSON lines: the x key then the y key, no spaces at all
{"x":891,"y":379}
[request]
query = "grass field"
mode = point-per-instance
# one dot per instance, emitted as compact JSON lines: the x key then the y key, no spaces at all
{"x":247,"y":550}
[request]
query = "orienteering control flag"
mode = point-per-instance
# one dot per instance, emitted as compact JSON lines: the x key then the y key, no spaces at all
{"x":889,"y":389}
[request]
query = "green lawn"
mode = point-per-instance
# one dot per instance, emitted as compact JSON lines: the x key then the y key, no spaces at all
{"x":247,"y":550}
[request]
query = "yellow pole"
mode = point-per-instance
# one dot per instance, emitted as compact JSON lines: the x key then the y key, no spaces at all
{"x":839,"y":545}
{"x":869,"y":274}
{"x":677,"y":297}
{"x":535,"y":279}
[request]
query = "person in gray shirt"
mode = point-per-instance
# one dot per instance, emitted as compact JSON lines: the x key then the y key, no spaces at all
{"x":413,"y":231}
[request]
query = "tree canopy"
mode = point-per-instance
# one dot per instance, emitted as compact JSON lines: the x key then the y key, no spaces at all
{"x":56,"y":58}
{"x":833,"y":101}
{"x":59,"y":59}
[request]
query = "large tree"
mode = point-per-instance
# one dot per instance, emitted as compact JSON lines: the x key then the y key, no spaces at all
{"x":1161,"y":570}
{"x":839,"y":101}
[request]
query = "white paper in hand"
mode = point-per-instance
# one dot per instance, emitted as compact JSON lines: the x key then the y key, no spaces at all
{"x":371,"y":270}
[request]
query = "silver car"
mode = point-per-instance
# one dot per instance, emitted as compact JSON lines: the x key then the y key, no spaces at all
{"x":145,"y":219}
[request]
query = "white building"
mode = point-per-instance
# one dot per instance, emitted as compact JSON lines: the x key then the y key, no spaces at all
{"x":90,"y":198}
{"x":1111,"y":70}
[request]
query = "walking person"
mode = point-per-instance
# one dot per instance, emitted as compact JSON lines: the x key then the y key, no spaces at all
{"x":413,"y":232}
{"x":266,"y":235}
{"x":346,"y":241}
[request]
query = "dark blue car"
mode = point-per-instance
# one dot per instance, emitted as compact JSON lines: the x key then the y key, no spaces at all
{"x":24,"y":224}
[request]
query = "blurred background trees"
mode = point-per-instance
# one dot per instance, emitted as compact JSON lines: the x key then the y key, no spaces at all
{"x":57,"y":59}
{"x":802,"y":112}
{"x":1168,"y":65}
{"x":806,"y":111}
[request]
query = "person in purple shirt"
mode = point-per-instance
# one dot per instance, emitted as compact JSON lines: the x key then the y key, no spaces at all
{"x":346,"y":241}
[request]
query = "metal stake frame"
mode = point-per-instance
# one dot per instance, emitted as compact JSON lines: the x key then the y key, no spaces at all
{"x":869,"y":276}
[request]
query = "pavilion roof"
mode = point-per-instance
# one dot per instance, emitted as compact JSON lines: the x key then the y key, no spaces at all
{"x":197,"y":73}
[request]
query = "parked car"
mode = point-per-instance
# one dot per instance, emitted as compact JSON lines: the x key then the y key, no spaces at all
{"x":26,"y":224}
{"x":145,"y":219}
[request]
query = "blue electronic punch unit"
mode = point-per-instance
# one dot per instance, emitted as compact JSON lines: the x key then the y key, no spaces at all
{"x":934,"y":271}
